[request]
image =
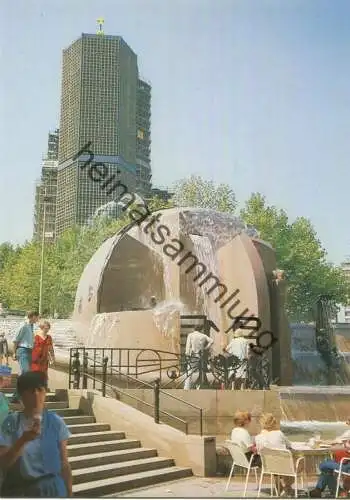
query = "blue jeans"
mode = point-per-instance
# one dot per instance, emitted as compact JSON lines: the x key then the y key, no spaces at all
{"x":327,"y":478}
{"x":24,"y":357}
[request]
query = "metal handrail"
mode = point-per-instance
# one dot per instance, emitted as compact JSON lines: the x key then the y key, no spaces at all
{"x":75,"y":367}
{"x":131,"y":396}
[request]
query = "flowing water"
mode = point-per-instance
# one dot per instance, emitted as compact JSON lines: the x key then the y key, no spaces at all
{"x":307,"y":407}
{"x":203,"y":249}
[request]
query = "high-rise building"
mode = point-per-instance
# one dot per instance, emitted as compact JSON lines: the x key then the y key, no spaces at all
{"x":105,"y":105}
{"x":46,"y":192}
{"x":143,"y":137}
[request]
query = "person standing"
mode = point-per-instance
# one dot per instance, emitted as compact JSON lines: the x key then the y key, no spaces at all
{"x":33,"y":446}
{"x":43,"y":352}
{"x":4,"y":349}
{"x":239,"y":347}
{"x":197,"y":344}
{"x":23,"y":345}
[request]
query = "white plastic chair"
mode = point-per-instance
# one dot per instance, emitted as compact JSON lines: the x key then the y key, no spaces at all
{"x":340,"y":473}
{"x":239,"y":458}
{"x":278,"y":462}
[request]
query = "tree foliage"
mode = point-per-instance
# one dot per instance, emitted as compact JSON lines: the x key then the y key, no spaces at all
{"x":199,"y":193}
{"x":298,"y":251}
{"x":64,"y":263}
{"x":300,"y":254}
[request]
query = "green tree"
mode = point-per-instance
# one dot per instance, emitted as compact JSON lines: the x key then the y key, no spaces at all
{"x":157,"y":203}
{"x":20,"y":278}
{"x":300,"y":253}
{"x":199,"y":193}
{"x":8,"y":255}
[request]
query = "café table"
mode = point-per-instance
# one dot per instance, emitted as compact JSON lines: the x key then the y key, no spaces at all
{"x":313,"y":455}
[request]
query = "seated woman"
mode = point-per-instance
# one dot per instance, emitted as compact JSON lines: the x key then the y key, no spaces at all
{"x":272,"y":437}
{"x":327,"y":468}
{"x":240,"y":435}
{"x":33,"y":446}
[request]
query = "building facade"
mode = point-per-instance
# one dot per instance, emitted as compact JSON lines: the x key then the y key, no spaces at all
{"x":105,"y":105}
{"x":143,"y":138}
{"x":46,"y":193}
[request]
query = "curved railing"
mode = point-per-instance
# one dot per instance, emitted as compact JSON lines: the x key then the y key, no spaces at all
{"x":99,"y":369}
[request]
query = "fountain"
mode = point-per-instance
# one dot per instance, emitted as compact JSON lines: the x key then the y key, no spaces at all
{"x":194,"y":261}
{"x":197,"y":261}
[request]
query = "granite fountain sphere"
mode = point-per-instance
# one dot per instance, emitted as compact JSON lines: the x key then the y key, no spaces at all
{"x":181,"y":261}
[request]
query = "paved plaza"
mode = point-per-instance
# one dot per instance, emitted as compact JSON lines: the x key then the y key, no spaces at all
{"x":198,"y":487}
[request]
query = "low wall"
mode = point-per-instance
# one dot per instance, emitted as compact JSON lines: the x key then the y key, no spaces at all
{"x":218,"y":407}
{"x":196,"y":452}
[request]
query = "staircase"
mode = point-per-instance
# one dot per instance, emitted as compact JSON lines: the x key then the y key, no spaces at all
{"x":104,"y":461}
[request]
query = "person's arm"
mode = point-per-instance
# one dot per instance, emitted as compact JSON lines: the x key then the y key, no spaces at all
{"x":17,"y":340}
{"x":188,"y":345}
{"x":247,"y":349}
{"x":210,"y":342}
{"x":286,"y":441}
{"x":249,"y":442}
{"x":9,"y":454}
{"x":66,"y":469}
{"x":228,"y":347}
{"x":63,"y":436}
{"x":51,"y":351}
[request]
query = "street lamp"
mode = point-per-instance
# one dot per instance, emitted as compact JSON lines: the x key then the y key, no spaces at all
{"x":46,"y":200}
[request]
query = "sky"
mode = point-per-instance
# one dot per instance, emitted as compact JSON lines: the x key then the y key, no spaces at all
{"x":253,"y":93}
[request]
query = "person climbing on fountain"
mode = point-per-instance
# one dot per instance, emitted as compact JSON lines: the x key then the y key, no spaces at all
{"x":197,"y":345}
{"x":239,"y":347}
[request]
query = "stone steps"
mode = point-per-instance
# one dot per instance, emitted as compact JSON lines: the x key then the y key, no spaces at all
{"x":107,"y":471}
{"x":68,"y":412}
{"x":101,"y":447}
{"x":96,"y":459}
{"x":129,"y":481}
{"x":104,"y":461}
{"x":87,"y":427}
{"x":9,"y":392}
{"x":95,"y":437}
{"x":79,"y":419}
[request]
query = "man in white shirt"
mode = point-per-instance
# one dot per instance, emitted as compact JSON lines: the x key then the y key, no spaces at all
{"x":196,"y":344}
{"x":239,"y":347}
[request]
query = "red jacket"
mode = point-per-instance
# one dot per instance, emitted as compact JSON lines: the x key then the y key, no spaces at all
{"x":339,"y":454}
